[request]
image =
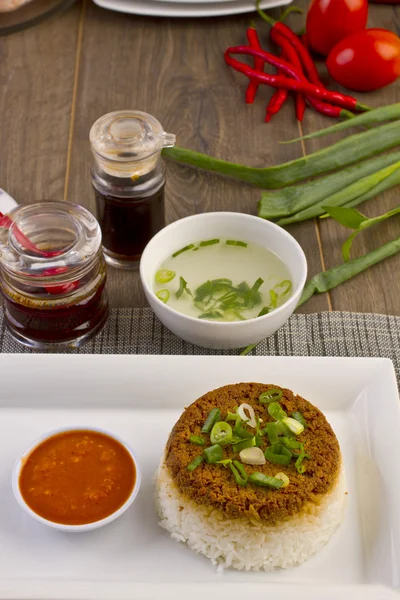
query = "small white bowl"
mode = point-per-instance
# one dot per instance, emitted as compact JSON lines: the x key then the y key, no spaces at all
{"x":73,"y":528}
{"x":215,"y":334}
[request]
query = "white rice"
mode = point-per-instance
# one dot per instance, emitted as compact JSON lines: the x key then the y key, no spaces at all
{"x":246,"y":543}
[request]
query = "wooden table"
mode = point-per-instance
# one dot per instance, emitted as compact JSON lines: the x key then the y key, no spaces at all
{"x":56,"y":79}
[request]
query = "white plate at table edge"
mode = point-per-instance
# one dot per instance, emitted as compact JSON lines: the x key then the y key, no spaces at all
{"x":161,"y":8}
{"x":366,"y":385}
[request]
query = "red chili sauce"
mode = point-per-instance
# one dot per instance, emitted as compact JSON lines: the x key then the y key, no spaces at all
{"x":77,"y":477}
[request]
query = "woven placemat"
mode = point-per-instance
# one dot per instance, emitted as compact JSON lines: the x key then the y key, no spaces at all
{"x":138,"y":331}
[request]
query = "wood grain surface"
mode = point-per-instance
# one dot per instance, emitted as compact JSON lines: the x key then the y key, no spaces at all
{"x":56,"y":79}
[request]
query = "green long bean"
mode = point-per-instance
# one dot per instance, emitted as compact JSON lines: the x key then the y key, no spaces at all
{"x":356,"y":193}
{"x":371,"y":117}
{"x":327,"y":280}
{"x":330,"y":279}
{"x":292,"y":199}
{"x":350,"y":150}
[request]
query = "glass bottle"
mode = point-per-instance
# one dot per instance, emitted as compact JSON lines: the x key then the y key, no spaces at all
{"x":128,"y":177}
{"x":52,"y":275}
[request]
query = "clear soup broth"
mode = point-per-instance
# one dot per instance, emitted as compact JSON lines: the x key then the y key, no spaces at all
{"x":223,"y":280}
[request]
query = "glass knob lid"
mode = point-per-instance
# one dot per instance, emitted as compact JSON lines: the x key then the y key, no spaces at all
{"x":128,"y":136}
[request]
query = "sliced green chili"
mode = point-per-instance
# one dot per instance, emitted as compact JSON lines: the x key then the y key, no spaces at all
{"x":236,"y":243}
{"x":272,"y":433}
{"x":221,"y":433}
{"x":272,"y":395}
{"x":182,"y":288}
{"x":240,"y":431}
{"x":277,"y":454}
{"x":261,"y":480}
{"x":286,"y":284}
{"x":209,"y":242}
{"x":213,"y":454}
{"x":250,"y":443}
{"x":213,"y":416}
{"x":163,"y":295}
{"x":184,"y":249}
{"x":239,"y":473}
{"x":276,"y":411}
{"x":197,"y":440}
{"x":299,"y":417}
{"x":164,"y":275}
{"x":195,"y":463}
{"x":264,"y":311}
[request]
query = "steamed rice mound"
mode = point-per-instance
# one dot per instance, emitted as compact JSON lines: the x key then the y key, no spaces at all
{"x":251,"y":528}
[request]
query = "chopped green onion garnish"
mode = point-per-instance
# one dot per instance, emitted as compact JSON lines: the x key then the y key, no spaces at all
{"x":274,"y":298}
{"x":196,"y":439}
{"x":182,"y":288}
{"x":163,"y":295}
{"x":261,"y":480}
{"x":212,"y":314}
{"x":286,"y":284}
{"x":295,"y":426}
{"x":264,"y":311}
{"x":272,"y":395}
{"x":195,"y":463}
{"x":244,"y":444}
{"x":184,"y":249}
{"x":221,"y":433}
{"x":236,"y":243}
{"x":213,"y":416}
{"x":225,"y":462}
{"x":299,"y":462}
{"x":240,"y":431}
{"x":164,"y":275}
{"x":276,"y":411}
{"x":209,"y":242}
{"x":291,"y":444}
{"x":282,"y":429}
{"x":299,"y":417}
{"x":239,"y":473}
{"x":232,"y":416}
{"x":257,"y":284}
{"x":272,"y":433}
{"x":213,"y":454}
{"x":277,"y":454}
{"x":283,"y":477}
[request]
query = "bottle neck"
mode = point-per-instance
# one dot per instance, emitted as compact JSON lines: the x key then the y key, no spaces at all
{"x":141,"y":186}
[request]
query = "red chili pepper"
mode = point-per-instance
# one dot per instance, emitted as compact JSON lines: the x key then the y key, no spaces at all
{"x":305,"y":57}
{"x":296,"y":84}
{"x":275,"y":104}
{"x":322,"y":107}
{"x":254,"y":42}
{"x":290,"y":55}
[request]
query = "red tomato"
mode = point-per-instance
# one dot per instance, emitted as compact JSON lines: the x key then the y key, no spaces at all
{"x":366,"y":61}
{"x":329,"y":21}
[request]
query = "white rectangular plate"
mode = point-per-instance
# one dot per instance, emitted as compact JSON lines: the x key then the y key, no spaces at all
{"x":140,"y":398}
{"x":164,"y":8}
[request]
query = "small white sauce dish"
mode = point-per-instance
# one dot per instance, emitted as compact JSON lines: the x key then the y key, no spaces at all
{"x":216,"y":334}
{"x":74,"y":528}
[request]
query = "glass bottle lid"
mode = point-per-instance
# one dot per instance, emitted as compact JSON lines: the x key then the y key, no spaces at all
{"x":48,"y":237}
{"x":127,"y":143}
